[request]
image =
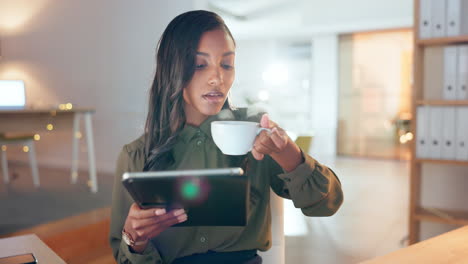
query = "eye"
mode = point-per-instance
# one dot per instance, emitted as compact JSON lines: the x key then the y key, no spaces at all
{"x":200,"y":66}
{"x":227,"y":66}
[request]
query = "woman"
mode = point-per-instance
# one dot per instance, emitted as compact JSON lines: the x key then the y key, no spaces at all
{"x":194,"y":73}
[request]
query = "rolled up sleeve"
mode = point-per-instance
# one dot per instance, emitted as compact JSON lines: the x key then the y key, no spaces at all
{"x":149,"y":255}
{"x":313,"y":187}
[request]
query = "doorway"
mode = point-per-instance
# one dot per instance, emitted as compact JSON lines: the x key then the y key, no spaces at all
{"x":374,"y":94}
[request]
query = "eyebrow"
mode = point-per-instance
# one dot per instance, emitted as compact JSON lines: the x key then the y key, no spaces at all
{"x":208,"y":55}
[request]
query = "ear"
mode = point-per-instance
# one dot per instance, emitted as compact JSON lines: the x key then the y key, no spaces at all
{"x":185,"y":95}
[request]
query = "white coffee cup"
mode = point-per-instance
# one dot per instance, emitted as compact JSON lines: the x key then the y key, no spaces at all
{"x":235,"y":137}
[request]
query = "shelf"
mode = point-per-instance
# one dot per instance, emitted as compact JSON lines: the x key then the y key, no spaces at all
{"x":448,"y":162}
{"x":451,"y":217}
{"x":442,"y":41}
{"x":422,"y":67}
{"x":443,"y":102}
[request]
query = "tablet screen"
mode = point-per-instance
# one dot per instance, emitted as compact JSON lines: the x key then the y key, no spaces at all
{"x":211,"y":197}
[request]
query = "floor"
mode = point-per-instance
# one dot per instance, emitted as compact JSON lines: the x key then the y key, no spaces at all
{"x":371,"y":222}
{"x":23,"y":206}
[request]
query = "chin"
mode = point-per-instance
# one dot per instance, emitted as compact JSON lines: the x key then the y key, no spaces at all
{"x":209,"y":111}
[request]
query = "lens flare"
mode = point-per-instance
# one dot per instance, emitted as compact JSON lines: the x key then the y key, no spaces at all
{"x":190,"y":190}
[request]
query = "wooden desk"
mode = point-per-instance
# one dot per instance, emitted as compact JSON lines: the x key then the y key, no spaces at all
{"x":451,"y":247}
{"x":28,"y":244}
{"x":36,"y":120}
{"x":78,"y":239}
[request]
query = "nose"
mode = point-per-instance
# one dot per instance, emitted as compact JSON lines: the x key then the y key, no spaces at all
{"x":215,"y":78}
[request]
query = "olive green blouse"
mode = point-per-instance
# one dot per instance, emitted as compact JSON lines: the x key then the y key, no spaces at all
{"x":313,"y":188}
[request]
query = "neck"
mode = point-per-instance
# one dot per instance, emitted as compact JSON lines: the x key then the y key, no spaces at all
{"x":194,"y":118}
{"x":195,"y":123}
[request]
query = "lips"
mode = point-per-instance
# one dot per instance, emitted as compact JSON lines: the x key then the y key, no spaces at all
{"x":213,"y":96}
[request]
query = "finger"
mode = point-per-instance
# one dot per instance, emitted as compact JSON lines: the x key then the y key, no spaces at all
{"x":174,"y":220}
{"x":144,"y":222}
{"x":162,"y":223}
{"x":171,"y":214}
{"x":256,"y":154}
{"x":279,"y":138}
{"x":265,"y":144}
{"x":139,"y":213}
{"x":152,"y":232}
{"x":139,"y":224}
{"x":265,"y":121}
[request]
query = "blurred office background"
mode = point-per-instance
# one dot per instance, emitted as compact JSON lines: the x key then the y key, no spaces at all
{"x":338,"y":71}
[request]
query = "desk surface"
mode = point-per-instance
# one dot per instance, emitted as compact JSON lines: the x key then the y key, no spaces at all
{"x":35,"y":120}
{"x":28,"y":244}
{"x":451,"y":247}
{"x":44,"y":111}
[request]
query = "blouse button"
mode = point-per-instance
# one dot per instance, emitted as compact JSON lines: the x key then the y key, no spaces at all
{"x":202,"y":239}
{"x":199,"y":142}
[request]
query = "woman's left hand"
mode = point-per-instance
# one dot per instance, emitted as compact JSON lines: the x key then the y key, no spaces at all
{"x":269,"y":143}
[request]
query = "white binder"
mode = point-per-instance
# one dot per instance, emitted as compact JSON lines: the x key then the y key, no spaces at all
{"x":450,"y":72}
{"x":435,"y":132}
{"x":448,"y":133}
{"x":422,"y":132}
{"x":462,"y":133}
{"x":462,"y":76}
{"x":453,"y":17}
{"x":438,"y":9}
{"x":456,"y":19}
{"x":425,"y":26}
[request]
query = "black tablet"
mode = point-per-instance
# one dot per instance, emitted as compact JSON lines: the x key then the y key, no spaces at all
{"x":211,"y":197}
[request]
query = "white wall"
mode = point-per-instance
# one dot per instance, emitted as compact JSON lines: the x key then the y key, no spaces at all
{"x":98,"y":54}
{"x":304,"y":18}
{"x":339,"y":15}
{"x":324,"y":105}
{"x":287,"y":102}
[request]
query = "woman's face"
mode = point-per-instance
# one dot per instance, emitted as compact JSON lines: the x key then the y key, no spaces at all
{"x":214,"y":74}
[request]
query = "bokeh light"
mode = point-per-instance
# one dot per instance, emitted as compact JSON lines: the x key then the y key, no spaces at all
{"x":190,"y":190}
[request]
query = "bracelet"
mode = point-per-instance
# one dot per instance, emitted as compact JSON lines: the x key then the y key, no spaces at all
{"x":128,"y":239}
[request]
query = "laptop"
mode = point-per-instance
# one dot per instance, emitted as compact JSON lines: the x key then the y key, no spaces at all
{"x":211,"y":197}
{"x":12,"y":95}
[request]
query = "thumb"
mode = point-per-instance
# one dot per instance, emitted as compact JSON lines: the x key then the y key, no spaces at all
{"x":265,"y":121}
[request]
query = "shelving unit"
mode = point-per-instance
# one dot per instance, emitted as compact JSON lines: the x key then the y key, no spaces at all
{"x":442,"y":216}
{"x":442,"y":102}
{"x":417,"y":213}
{"x":447,"y":162}
{"x":441,"y":41}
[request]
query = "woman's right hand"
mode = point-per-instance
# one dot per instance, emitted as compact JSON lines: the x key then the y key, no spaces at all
{"x":144,"y":224}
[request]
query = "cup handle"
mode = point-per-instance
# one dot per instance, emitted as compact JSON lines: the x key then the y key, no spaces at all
{"x":260,"y":129}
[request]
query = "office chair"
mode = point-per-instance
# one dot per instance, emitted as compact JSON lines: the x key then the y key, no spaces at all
{"x":24,"y":140}
{"x":304,"y":142}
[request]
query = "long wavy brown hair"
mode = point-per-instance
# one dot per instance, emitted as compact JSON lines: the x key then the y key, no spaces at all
{"x":175,"y":66}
